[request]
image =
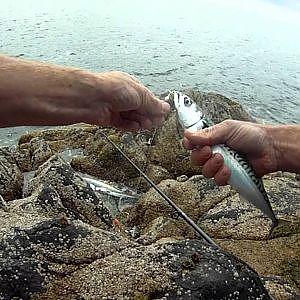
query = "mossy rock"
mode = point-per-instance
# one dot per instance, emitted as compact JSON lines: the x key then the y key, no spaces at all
{"x":287,"y":228}
{"x":291,"y":270}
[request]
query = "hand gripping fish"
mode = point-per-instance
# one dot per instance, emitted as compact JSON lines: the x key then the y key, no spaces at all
{"x":243,"y":178}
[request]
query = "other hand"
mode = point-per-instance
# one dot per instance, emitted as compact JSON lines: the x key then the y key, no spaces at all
{"x":127,"y":104}
{"x":250,"y":139}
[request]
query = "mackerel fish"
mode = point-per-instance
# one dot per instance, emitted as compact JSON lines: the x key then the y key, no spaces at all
{"x":243,"y":178}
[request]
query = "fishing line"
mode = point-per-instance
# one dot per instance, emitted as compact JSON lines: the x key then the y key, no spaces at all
{"x":183,"y":215}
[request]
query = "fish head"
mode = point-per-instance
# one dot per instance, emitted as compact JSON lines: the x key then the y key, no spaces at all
{"x":188,"y":111}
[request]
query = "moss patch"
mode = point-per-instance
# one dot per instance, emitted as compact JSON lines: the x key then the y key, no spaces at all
{"x":291,"y":270}
{"x":286,"y":228}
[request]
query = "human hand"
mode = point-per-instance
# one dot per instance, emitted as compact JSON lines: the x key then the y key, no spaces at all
{"x":127,"y":104}
{"x":33,"y":93}
{"x":250,"y":139}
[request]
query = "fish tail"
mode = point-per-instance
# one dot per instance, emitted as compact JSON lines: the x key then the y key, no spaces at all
{"x":284,"y":227}
{"x":275,"y":224}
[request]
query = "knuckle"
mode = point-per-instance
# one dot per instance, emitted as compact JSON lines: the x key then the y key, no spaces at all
{"x":220,"y":181}
{"x":222,"y":175}
{"x":218,"y":160}
{"x":205,"y":172}
{"x":208,"y":170}
{"x":227,"y":123}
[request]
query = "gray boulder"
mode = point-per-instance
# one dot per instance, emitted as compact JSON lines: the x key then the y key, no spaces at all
{"x":58,"y":185}
{"x":238,"y":219}
{"x":62,"y":259}
{"x":11,"y":178}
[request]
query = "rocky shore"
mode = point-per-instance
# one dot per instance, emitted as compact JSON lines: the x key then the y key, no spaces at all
{"x":61,"y":238}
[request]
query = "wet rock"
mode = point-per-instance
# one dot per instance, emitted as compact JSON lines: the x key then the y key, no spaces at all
{"x":57,"y":180}
{"x":104,"y":161}
{"x":36,"y":147}
{"x":168,"y":152}
{"x":275,"y":257}
{"x":58,"y":258}
{"x":155,"y":217}
{"x":41,"y":152}
{"x":22,"y":273}
{"x":218,"y":107}
{"x":164,"y":227}
{"x":31,"y":155}
{"x":174,"y":270}
{"x":238,"y":219}
{"x":155,"y":173}
{"x":11,"y":178}
{"x":284,"y":193}
{"x":61,"y":138}
{"x":182,"y":178}
{"x":36,"y":253}
{"x":280,"y":289}
{"x":45,"y":201}
{"x":209,"y":194}
{"x":22,"y":156}
{"x":3,"y":203}
{"x":145,"y":253}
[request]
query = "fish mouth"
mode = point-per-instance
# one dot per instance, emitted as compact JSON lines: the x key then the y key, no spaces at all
{"x":176,"y":97}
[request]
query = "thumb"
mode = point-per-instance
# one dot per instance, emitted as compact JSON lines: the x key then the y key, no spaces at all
{"x":217,"y":134}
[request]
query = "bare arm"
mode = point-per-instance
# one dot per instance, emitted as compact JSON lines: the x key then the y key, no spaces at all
{"x":286,"y":141}
{"x":33,"y":93}
{"x":268,"y":148}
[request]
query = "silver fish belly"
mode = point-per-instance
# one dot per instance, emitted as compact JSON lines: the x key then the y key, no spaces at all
{"x":244,"y":180}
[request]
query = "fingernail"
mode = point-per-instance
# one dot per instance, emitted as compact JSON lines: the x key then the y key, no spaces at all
{"x":218,"y":159}
{"x":206,"y":130}
{"x":190,"y":132}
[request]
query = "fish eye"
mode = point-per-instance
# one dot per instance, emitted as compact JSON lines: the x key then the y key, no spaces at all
{"x":187,"y":101}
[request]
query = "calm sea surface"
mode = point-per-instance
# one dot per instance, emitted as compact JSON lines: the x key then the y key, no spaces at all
{"x":248,"y":52}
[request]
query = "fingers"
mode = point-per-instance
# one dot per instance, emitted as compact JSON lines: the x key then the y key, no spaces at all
{"x":144,"y":121}
{"x":125,"y":124}
{"x":217,"y":134}
{"x":150,"y":111}
{"x":135,"y":96}
{"x":222,"y":176}
{"x":200,"y":156}
{"x":153,"y":106}
{"x":149,"y":104}
{"x":213,"y":164}
{"x":188,"y":144}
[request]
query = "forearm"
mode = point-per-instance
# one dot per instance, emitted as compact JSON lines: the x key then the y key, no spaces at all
{"x":32,"y":93}
{"x":286,"y":141}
